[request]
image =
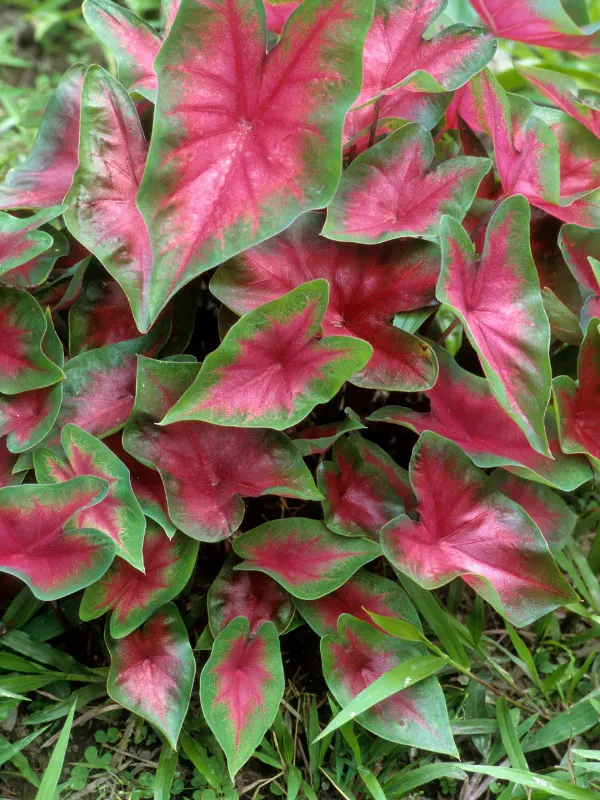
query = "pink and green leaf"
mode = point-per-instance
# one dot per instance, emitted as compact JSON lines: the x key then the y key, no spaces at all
{"x":363,"y":592}
{"x":391,"y":190}
{"x":8,"y":462}
{"x":278,"y":12}
{"x":319,"y":438}
{"x":578,"y":246}
{"x":23,"y":365}
{"x":26,"y":418}
{"x":367,"y":286}
{"x":464,"y":410}
{"x":357,"y":656}
{"x":36,"y":271}
{"x":541,"y":23}
{"x":133,"y":42}
{"x":577,"y":403}
{"x":497,"y":298}
{"x":252,"y":595}
{"x":363,"y":488}
{"x":103,"y":213}
{"x":133,"y":596}
{"x":152,"y":672}
{"x":44,"y":178}
{"x":473,"y":531}
{"x":222,"y":102}
{"x":547,"y":509}
{"x":207,"y":469}
{"x":304,"y":556}
{"x":241,"y":687}
{"x":21,"y":240}
{"x":118,"y":515}
{"x":270,"y":370}
{"x":40,"y":546}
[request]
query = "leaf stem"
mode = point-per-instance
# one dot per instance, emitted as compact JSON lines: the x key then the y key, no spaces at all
{"x":445,"y":334}
{"x":375,"y":122}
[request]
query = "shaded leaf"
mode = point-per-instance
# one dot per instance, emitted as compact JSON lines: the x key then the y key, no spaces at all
{"x":133,"y":596}
{"x":472,"y":530}
{"x":363,"y":488}
{"x":497,"y":298}
{"x":222,"y":103}
{"x":38,"y":546}
{"x":241,"y":687}
{"x":319,"y":438}
{"x":360,"y":654}
{"x":303,"y":555}
{"x":205,"y":468}
{"x":152,"y":672}
{"x":270,"y":371}
{"x":21,"y":240}
{"x":391,"y":191}
{"x":367,"y":286}
{"x":578,"y":245}
{"x":361,"y":593}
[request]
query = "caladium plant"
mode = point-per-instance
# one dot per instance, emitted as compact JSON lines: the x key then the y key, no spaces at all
{"x":408,"y":275}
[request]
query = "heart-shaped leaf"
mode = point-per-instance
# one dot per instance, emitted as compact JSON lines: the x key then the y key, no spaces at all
{"x":577,"y":404}
{"x":363,"y":592}
{"x":241,"y":687}
{"x":119,"y":515}
{"x":45,"y":176}
{"x":367,"y":286}
{"x":363,"y":488}
{"x":39,"y":547}
{"x":303,"y":556}
{"x":360,"y":654}
{"x":472,"y":530}
{"x":319,"y":438}
{"x":270,"y":371}
{"x":391,"y":191}
{"x":204,"y":467}
{"x":133,"y":596}
{"x":103,"y":212}
{"x":546,"y":508}
{"x":544,"y":24}
{"x":23,"y":365}
{"x":464,"y":410}
{"x":152,"y":672}
{"x":222,"y":102}
{"x":497,"y":298}
{"x":247,"y":594}
{"x":27,"y":417}
{"x":133,"y":42}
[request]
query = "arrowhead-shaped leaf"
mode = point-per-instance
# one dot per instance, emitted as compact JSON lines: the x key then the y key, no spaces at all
{"x":152,"y":672}
{"x":45,"y":176}
{"x":546,"y":508}
{"x":103,"y":212}
{"x":542,"y":24}
{"x":146,"y":483}
{"x":222,"y":103}
{"x":205,"y":468}
{"x":497,"y":298}
{"x":270,"y":371}
{"x":363,"y":488}
{"x":464,"y":410}
{"x":577,"y":404}
{"x":133,"y":42}
{"x":20,"y":239}
{"x":470,"y":529}
{"x":391,"y":190}
{"x":119,"y":515}
{"x":360,"y":654}
{"x":27,"y":417}
{"x":247,"y":594}
{"x":364,"y":590}
{"x":564,"y":93}
{"x":367,"y":286}
{"x":23,"y":365}
{"x":241,"y":687}
{"x":303,"y":556}
{"x":133,"y":596}
{"x":39,"y":547}
{"x":319,"y":438}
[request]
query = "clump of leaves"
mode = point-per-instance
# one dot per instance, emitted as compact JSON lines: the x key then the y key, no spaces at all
{"x":356,"y":172}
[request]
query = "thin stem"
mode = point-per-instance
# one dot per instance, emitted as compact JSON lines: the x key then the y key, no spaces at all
{"x":375,"y":122}
{"x":486,"y":218}
{"x":445,"y":334}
